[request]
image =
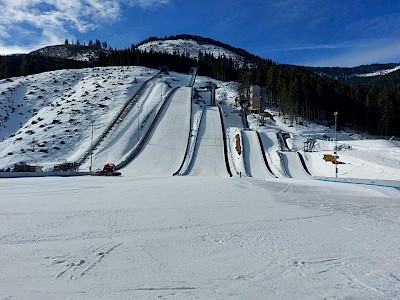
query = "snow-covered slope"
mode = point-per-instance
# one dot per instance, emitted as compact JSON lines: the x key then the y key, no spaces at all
{"x":165,"y":149}
{"x":362,"y":157}
{"x":378,"y":73}
{"x":253,"y":158}
{"x":190,"y":48}
{"x":208,"y":157}
{"x":47,"y":117}
{"x":293,"y":166}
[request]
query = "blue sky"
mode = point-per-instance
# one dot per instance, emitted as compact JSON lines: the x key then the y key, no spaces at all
{"x":302,"y":32}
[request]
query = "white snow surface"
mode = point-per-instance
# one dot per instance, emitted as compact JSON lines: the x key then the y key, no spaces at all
{"x":208,"y":157}
{"x":195,"y":237}
{"x":53,"y":111}
{"x":253,"y":156}
{"x":208,"y":236}
{"x":368,"y":157}
{"x":378,"y":73}
{"x":293,"y":165}
{"x":165,"y":150}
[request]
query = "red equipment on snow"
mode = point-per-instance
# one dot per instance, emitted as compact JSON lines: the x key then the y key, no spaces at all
{"x":108,"y":170}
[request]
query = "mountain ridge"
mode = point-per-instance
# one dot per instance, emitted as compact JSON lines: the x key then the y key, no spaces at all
{"x":73,"y":52}
{"x":241,"y":57}
{"x":345,"y":73}
{"x":247,"y":56}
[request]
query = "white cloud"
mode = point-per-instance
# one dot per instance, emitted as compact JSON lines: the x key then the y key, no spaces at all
{"x":382,"y":51}
{"x":3,"y":32}
{"x":6,"y":50}
{"x":50,"y":21}
{"x":314,"y":47}
{"x":147,"y":3}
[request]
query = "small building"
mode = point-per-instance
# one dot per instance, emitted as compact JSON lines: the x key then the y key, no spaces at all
{"x":164,"y":70}
{"x":257,"y":98}
{"x":266,"y":118}
{"x":24,"y":167}
{"x":309,"y":145}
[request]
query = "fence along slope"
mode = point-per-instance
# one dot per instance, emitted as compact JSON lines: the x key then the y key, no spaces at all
{"x":122,"y":113}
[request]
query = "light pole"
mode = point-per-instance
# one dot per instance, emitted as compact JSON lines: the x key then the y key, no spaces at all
{"x":138,"y":128}
{"x":91,"y":151}
{"x":336,"y":169}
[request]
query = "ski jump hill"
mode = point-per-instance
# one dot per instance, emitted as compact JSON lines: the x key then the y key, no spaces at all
{"x":171,"y":125}
{"x":161,"y":131}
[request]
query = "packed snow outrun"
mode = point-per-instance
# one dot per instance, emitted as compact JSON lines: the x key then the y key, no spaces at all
{"x":210,"y":203}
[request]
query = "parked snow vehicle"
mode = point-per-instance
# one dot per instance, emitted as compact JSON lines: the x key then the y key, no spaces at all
{"x":108,"y":170}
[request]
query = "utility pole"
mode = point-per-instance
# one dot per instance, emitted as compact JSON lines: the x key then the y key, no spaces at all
{"x":138,"y":128}
{"x":91,"y":151}
{"x":336,"y":169}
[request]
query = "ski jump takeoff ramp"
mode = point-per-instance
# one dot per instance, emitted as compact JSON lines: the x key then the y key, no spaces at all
{"x":166,"y":145}
{"x":209,"y":156}
{"x":293,"y":165}
{"x":253,"y":157}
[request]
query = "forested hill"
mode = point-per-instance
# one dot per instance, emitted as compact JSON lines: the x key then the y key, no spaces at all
{"x":28,"y":64}
{"x":371,"y":105}
{"x":341,"y":73}
{"x":248,"y":57}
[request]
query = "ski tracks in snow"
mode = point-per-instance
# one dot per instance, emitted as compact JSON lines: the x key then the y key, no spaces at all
{"x":76,"y":266}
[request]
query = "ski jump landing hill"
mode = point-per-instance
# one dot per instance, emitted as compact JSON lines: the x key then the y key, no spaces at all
{"x":254,"y":156}
{"x":165,"y":144}
{"x":209,"y":157}
{"x":153,"y":135}
{"x":292,"y":161}
{"x":165,"y":147}
{"x":162,"y":97}
{"x":294,"y":166}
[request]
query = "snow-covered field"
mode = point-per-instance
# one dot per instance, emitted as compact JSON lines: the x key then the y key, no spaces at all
{"x":151,"y":235}
{"x":194,"y":237}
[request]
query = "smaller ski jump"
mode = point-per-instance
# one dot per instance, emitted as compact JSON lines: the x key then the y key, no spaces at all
{"x":254,"y":158}
{"x":293,"y":165}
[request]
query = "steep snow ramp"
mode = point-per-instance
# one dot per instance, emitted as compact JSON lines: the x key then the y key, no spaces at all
{"x":209,"y":155}
{"x":271,"y":147}
{"x":253,"y":157}
{"x":166,"y":145}
{"x":293,"y":165}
